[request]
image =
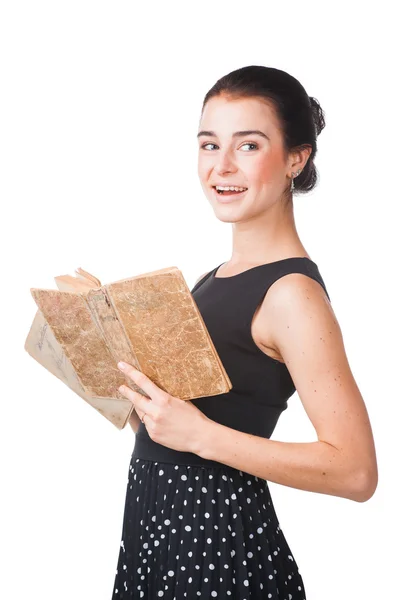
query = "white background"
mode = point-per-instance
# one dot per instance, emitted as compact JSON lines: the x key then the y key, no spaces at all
{"x":100,"y":105}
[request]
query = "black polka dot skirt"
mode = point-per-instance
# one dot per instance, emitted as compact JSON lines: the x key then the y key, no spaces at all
{"x":202,"y":532}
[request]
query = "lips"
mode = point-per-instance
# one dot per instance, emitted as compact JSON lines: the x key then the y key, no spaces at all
{"x":228,"y":197}
{"x":229,"y":185}
{"x":221,"y":192}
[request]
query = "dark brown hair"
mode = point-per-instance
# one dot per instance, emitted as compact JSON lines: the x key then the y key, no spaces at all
{"x":301,"y":116}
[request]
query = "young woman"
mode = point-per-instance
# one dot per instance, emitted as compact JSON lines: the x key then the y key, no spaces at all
{"x":199,"y":520}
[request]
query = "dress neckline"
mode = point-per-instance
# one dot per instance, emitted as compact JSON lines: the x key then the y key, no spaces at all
{"x":275,"y":262}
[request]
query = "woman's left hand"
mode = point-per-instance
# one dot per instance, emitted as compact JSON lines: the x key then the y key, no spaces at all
{"x":170,"y":421}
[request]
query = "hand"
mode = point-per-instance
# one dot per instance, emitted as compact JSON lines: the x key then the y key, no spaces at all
{"x":170,"y":421}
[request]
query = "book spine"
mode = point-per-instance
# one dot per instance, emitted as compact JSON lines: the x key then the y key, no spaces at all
{"x":110,"y":327}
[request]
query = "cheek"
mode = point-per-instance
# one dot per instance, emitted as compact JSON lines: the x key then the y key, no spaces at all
{"x":203,"y":167}
{"x":267,"y":167}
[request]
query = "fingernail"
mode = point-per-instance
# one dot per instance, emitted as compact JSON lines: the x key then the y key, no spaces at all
{"x":122,"y":365}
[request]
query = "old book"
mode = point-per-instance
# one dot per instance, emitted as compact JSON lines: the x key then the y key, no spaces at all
{"x":151,"y":321}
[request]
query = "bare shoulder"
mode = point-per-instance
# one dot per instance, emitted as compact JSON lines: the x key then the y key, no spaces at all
{"x":200,"y":278}
{"x":301,"y":299}
{"x":302,"y":326}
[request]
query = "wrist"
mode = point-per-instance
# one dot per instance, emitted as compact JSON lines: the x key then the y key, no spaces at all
{"x":203,"y":442}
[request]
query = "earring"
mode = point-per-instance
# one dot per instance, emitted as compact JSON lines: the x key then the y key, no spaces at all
{"x":292,"y":182}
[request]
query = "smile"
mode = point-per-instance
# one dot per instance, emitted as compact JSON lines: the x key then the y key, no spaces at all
{"x":228,"y":194}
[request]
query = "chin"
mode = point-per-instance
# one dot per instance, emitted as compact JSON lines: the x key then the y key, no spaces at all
{"x":229,"y":215}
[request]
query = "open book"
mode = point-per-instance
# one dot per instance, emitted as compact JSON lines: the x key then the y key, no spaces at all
{"x":150,"y":321}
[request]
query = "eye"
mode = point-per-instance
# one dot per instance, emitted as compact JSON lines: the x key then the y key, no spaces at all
{"x":250,"y":144}
{"x":208,"y":144}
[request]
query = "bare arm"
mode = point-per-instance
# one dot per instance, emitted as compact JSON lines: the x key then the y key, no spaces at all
{"x":134,"y":420}
{"x":342,"y":461}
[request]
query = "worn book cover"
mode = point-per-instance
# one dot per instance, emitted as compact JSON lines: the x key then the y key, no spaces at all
{"x":151,"y":321}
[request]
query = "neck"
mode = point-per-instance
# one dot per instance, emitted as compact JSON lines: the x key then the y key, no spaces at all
{"x":266,"y":237}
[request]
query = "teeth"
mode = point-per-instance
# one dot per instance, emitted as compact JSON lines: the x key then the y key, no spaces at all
{"x":230,"y":188}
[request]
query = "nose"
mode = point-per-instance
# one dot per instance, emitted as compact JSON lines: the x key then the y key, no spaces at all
{"x":224,"y":163}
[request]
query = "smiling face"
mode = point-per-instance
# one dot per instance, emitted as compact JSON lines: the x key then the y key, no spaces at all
{"x":230,"y":155}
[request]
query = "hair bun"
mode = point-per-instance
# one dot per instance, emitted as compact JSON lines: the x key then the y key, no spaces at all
{"x":318,"y":114}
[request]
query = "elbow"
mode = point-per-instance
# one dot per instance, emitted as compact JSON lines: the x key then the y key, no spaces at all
{"x":363,"y":485}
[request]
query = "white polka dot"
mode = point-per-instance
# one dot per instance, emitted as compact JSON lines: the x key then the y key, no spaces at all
{"x":246,"y":582}
{"x":188,"y":528}
{"x":212,"y":567}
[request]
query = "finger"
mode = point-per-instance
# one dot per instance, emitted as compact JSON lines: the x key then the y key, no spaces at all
{"x":138,"y":400}
{"x":144,"y":382}
{"x":140,"y":413}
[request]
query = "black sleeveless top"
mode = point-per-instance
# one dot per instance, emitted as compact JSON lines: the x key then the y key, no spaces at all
{"x":261,"y":385}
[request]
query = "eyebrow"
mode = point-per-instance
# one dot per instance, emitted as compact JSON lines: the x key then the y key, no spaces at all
{"x":236,"y":134}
